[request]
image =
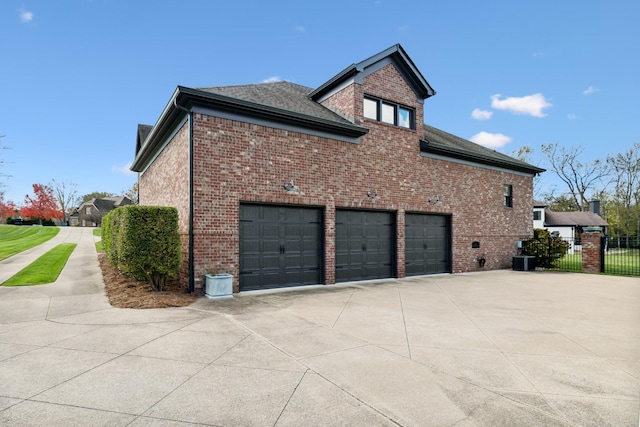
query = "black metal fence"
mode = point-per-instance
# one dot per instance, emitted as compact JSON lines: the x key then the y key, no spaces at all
{"x":621,"y":255}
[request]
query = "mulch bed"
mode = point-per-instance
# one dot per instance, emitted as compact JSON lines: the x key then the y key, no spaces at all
{"x":126,"y":292}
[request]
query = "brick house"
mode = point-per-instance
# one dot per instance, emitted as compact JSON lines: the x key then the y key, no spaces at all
{"x":90,"y":213}
{"x":284,"y":185}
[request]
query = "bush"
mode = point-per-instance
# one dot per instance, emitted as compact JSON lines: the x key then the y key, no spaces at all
{"x":143,"y":241}
{"x":545,"y":247}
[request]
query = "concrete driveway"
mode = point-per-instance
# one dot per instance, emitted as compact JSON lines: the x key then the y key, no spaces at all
{"x":497,"y":348}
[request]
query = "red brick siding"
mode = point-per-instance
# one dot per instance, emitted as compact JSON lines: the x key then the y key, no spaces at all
{"x":591,"y":261}
{"x":238,"y":162}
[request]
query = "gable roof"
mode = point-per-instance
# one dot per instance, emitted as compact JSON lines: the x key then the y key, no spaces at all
{"x":400,"y":59}
{"x":143,"y":133}
{"x":574,"y":219}
{"x":436,"y":141}
{"x":107,"y":204}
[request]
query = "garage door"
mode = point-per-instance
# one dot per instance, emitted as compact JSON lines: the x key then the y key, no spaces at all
{"x":427,"y":244}
{"x":280,"y":246}
{"x":365,"y":246}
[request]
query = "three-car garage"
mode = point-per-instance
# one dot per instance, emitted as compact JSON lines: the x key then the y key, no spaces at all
{"x":283,"y":246}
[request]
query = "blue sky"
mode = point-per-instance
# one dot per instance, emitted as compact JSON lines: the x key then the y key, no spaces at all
{"x":78,"y":76}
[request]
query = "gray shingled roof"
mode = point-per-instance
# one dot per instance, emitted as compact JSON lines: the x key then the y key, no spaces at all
{"x":284,"y":95}
{"x":584,"y":219}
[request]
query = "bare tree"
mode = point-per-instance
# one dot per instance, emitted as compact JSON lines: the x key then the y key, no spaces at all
{"x":579,"y":176}
{"x":625,"y":169}
{"x":133,"y":194}
{"x":66,"y":196}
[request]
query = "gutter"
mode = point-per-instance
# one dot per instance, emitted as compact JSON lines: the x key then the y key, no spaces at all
{"x":191,"y":245}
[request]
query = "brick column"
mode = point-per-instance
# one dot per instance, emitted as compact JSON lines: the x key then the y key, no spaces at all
{"x":591,"y":252}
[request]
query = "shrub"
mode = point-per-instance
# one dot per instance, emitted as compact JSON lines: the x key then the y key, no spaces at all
{"x":143,"y":241}
{"x":546,"y":247}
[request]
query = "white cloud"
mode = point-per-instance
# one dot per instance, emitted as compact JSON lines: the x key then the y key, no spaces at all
{"x":531,"y":105}
{"x":300,"y":29}
{"x":479,"y":114}
{"x":591,"y":90}
{"x":491,"y":140}
{"x":571,"y":116}
{"x":25,"y":15}
{"x":123,"y":170}
{"x":272,"y":79}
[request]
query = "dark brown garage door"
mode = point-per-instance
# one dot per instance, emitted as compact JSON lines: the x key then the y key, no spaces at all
{"x":427,"y":244}
{"x":280,"y":246}
{"x":365,"y":246}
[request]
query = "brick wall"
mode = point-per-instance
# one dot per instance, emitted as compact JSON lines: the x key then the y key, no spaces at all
{"x":239,"y":162}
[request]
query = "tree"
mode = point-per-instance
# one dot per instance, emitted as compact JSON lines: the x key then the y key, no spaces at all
{"x":7,"y":208}
{"x":96,"y":195}
{"x":524,"y":154}
{"x":132,"y":194}
{"x":42,"y":206}
{"x":66,"y":196}
{"x":579,"y":176}
{"x":625,"y":169}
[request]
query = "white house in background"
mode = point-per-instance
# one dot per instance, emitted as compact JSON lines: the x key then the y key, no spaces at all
{"x":568,"y":225}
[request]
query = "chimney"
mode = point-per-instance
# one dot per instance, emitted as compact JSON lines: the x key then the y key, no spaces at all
{"x":594,"y":207}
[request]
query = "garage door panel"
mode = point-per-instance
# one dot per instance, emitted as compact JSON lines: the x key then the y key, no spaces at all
{"x":427,"y":244}
{"x":280,"y":246}
{"x":364,"y":245}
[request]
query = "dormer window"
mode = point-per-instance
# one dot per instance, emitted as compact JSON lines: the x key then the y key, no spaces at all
{"x":389,"y":112}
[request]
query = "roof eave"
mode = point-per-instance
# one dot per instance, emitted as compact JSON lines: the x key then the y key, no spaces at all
{"x":441,"y":149}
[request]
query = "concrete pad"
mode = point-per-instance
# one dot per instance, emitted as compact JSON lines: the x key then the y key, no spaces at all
{"x":485,"y":408}
{"x":6,"y":402}
{"x":317,"y":402}
{"x":253,"y":352}
{"x":541,"y":342}
{"x":159,"y":422}
{"x":31,"y":373}
{"x":127,"y":384}
{"x":443,"y":336}
{"x":395,"y":386}
{"x":64,"y":306}
{"x":23,"y":310}
{"x":573,"y":376}
{"x":118,"y":339}
{"x":11,"y":350}
{"x":128,"y":316}
{"x":489,"y":369}
{"x":230,"y":396}
{"x":43,"y":332}
{"x":386,"y":327}
{"x":30,"y":414}
{"x":591,"y":412}
{"x":189,"y":346}
{"x":279,"y":328}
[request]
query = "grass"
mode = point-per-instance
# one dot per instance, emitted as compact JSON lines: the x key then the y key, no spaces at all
{"x":45,"y":269}
{"x":98,"y":232}
{"x":17,"y":238}
{"x":623,"y":263}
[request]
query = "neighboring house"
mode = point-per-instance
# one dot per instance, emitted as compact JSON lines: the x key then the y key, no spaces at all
{"x":568,"y":225}
{"x":284,"y":185}
{"x":90,"y":213}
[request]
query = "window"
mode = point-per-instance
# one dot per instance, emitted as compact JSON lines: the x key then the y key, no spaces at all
{"x":389,"y":112}
{"x":508,"y":196}
{"x":537,"y":215}
{"x":88,"y":210}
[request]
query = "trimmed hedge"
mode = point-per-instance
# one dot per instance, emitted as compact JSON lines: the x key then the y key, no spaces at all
{"x":143,"y":241}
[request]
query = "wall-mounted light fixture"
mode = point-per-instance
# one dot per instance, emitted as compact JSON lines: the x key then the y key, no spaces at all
{"x":435,"y":200}
{"x":291,"y":187}
{"x":373,"y":196}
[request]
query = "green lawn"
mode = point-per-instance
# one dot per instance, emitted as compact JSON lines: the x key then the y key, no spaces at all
{"x":45,"y":269}
{"x":99,"y":246}
{"x":18,"y":238}
{"x":624,"y":263}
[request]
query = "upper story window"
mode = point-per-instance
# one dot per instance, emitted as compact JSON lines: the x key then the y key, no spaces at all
{"x":508,"y":195}
{"x":88,"y":210}
{"x":389,"y":112}
{"x":537,"y":215}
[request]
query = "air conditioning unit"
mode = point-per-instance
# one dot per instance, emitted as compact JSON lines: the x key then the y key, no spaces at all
{"x":524,"y":263}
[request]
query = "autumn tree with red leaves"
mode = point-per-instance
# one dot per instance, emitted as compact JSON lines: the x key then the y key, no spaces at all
{"x":42,"y":206}
{"x":7,"y":208}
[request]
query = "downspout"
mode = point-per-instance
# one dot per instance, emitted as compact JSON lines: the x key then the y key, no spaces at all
{"x":191,"y":245}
